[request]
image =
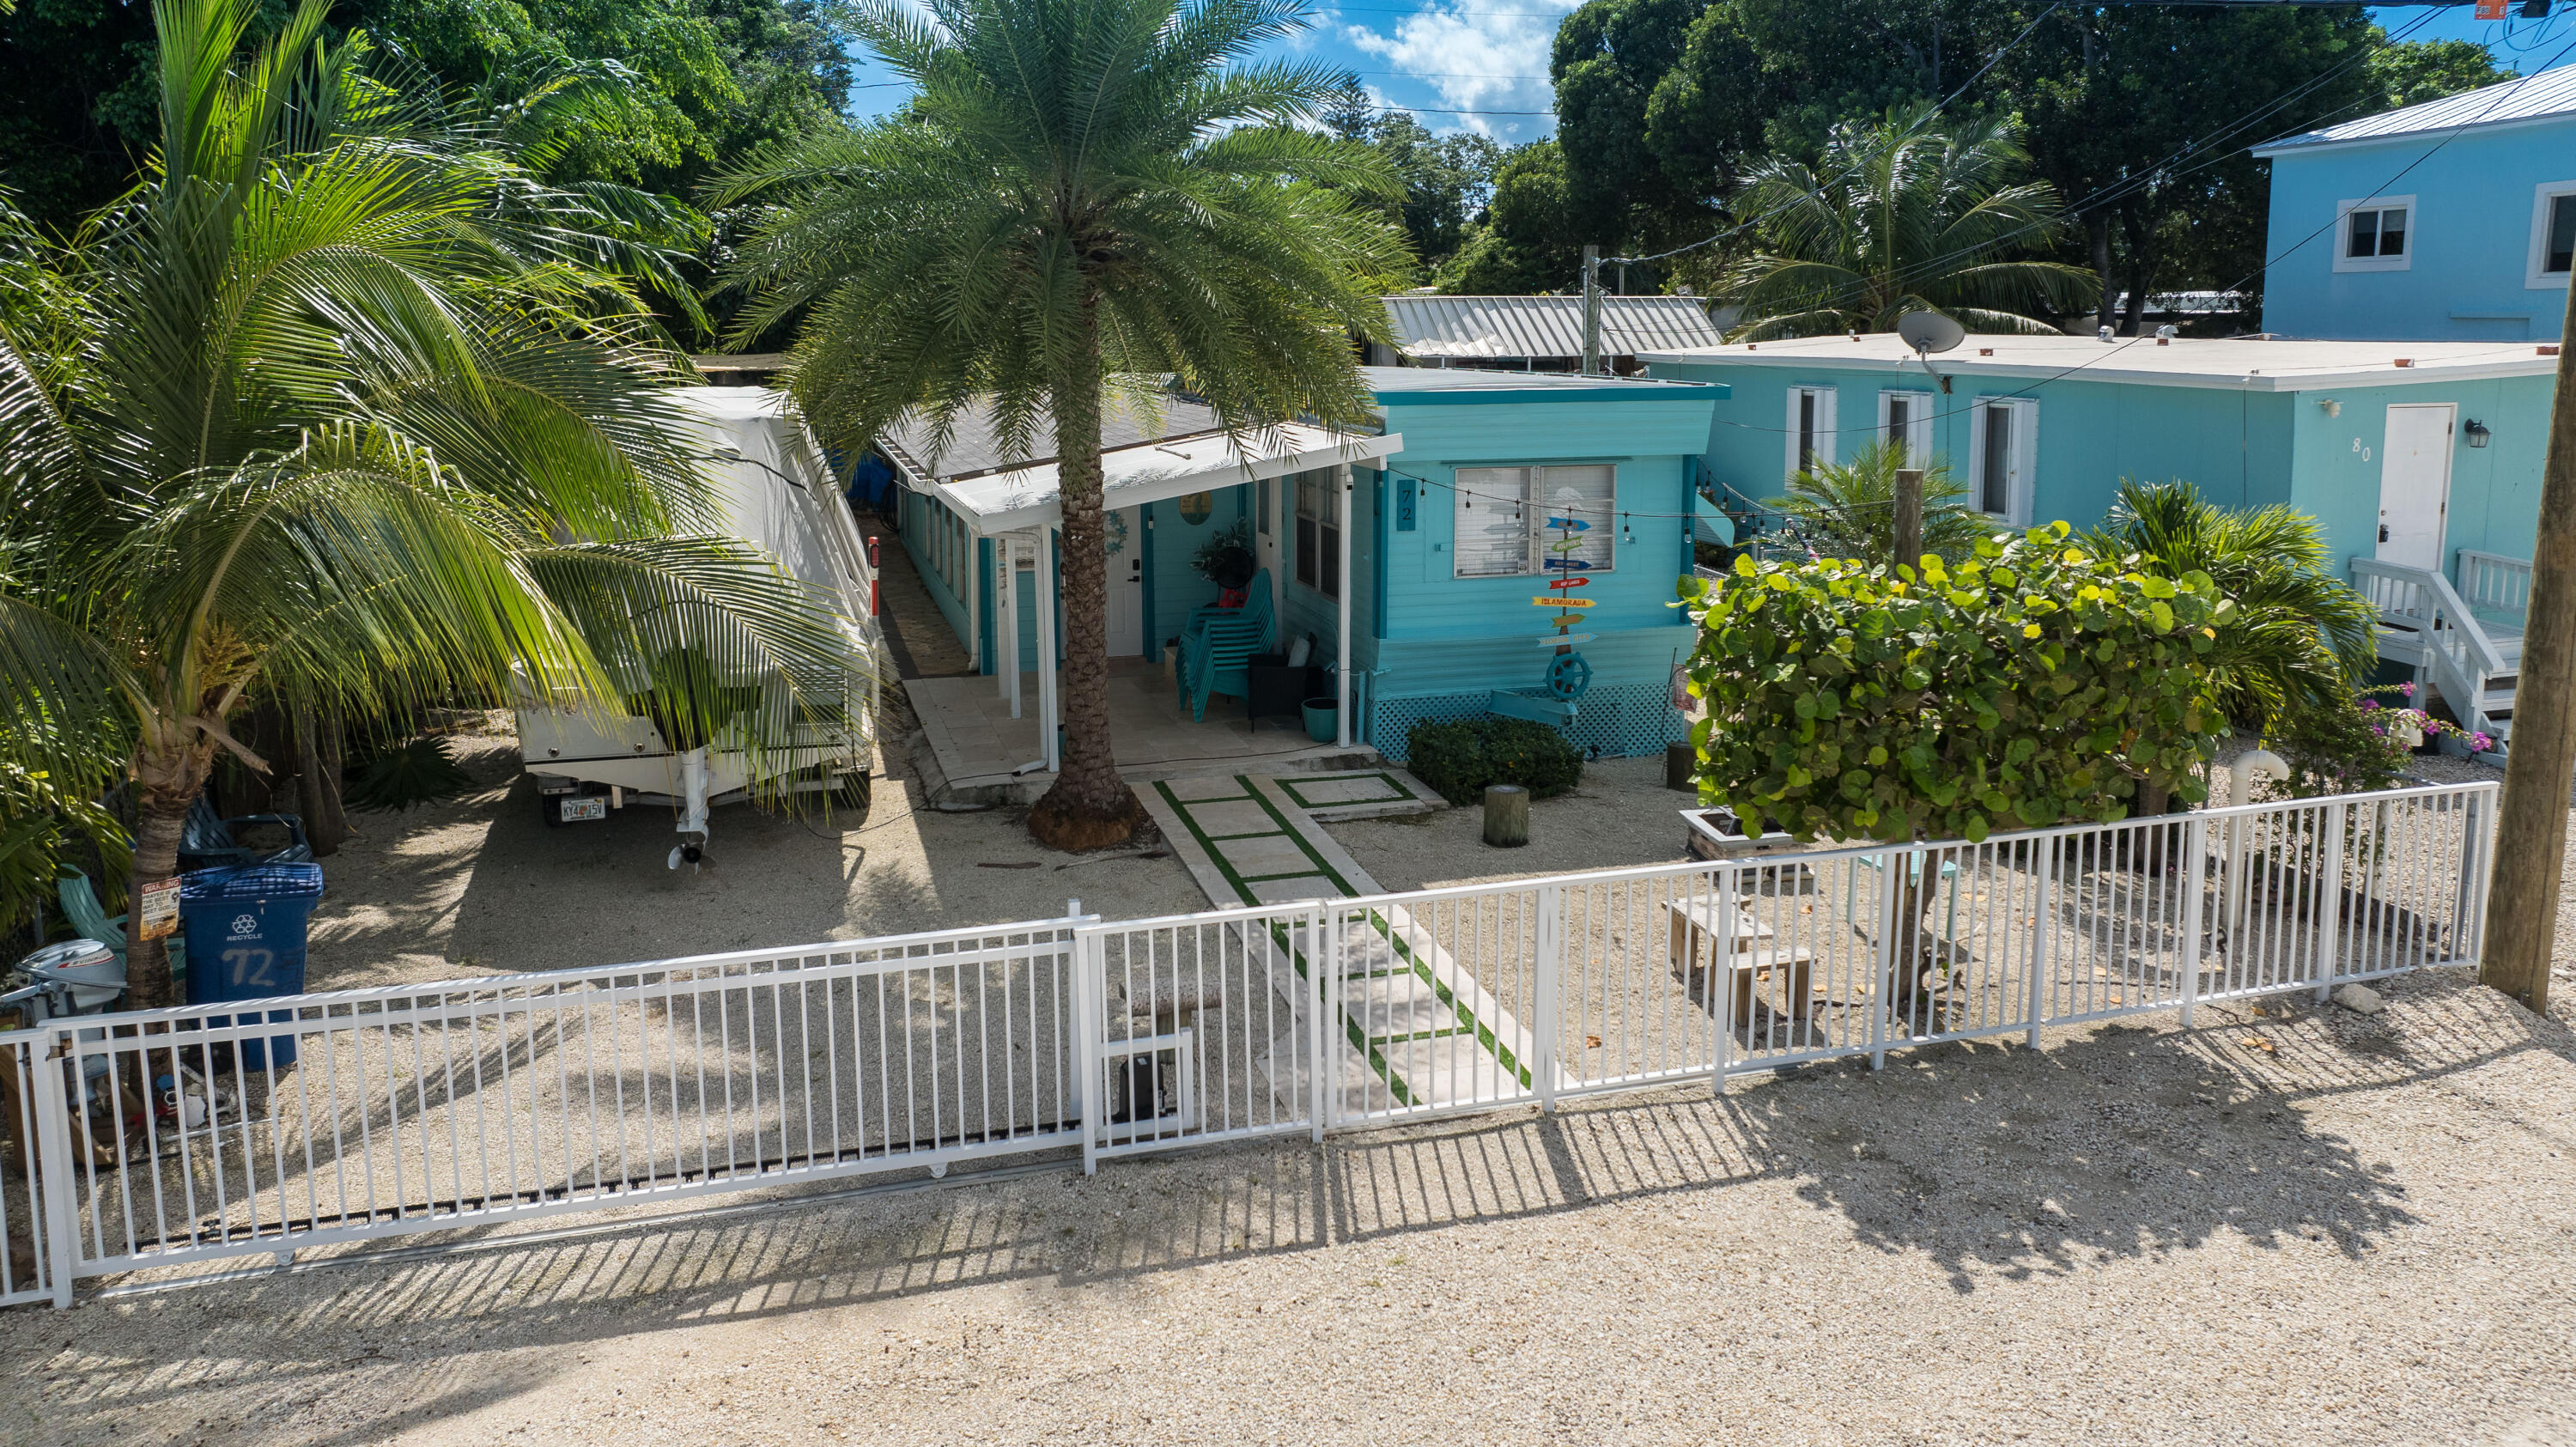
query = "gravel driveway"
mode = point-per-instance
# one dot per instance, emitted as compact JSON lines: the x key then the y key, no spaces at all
{"x":2307,"y":1226}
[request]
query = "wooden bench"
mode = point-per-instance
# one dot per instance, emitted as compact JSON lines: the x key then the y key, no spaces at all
{"x":1707,"y":933}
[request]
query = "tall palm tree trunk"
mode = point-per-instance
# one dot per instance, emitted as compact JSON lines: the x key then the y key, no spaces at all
{"x":1089,"y":806}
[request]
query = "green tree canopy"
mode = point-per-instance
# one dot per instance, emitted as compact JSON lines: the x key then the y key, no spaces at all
{"x":684,"y":87}
{"x":2036,"y":683}
{"x":1532,"y":237}
{"x":1900,"y":215}
{"x":1447,"y":179}
{"x":2139,"y":115}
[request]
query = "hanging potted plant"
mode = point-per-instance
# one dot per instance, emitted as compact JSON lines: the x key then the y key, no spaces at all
{"x":1226,"y":560}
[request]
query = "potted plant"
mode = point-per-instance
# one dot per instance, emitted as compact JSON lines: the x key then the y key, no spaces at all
{"x":1226,"y":559}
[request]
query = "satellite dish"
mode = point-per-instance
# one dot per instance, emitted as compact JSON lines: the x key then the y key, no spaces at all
{"x":1928,"y":332}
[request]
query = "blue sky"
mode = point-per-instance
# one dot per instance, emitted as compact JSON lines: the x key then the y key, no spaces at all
{"x":1481,"y":65}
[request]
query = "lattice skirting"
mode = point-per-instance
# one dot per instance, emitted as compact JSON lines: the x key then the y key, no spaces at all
{"x":1612,"y":721}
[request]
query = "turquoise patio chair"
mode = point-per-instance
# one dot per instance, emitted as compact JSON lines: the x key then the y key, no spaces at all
{"x":1218,"y":644}
{"x":81,"y":907}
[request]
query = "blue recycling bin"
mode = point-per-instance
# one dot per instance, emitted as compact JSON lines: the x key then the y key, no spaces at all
{"x":245,"y":928}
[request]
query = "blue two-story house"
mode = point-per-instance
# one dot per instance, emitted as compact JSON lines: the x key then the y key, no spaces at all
{"x":2454,"y":220}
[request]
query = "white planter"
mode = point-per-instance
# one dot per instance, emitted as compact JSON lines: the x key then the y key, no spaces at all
{"x":2409,"y":735}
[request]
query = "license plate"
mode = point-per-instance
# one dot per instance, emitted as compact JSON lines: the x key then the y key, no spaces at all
{"x":590,"y":808}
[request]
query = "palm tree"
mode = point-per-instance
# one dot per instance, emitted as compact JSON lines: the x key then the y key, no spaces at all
{"x":339,"y":411}
{"x":1899,"y":216}
{"x":2294,"y":636}
{"x":1085,"y":197}
{"x":1848,"y":509}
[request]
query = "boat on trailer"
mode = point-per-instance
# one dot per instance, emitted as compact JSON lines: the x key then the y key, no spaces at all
{"x":778,"y":494}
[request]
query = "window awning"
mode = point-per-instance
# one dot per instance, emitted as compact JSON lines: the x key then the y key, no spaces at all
{"x":1151,"y":471}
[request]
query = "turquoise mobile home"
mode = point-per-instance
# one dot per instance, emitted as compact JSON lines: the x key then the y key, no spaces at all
{"x":2422,"y":459}
{"x":1405,"y":563}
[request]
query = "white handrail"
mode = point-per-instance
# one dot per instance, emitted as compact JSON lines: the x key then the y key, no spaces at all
{"x":2492,"y":580}
{"x":2462,"y":656}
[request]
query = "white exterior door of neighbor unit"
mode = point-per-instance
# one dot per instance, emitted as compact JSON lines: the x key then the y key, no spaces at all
{"x":2415,"y":484}
{"x":1123,"y":539}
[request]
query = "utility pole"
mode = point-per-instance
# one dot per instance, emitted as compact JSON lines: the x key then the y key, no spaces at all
{"x":1592,"y":311}
{"x":1909,"y":516}
{"x":2531,"y":834}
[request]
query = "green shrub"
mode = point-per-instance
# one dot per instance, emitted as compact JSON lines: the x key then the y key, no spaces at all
{"x":419,"y":772}
{"x":1460,"y":759}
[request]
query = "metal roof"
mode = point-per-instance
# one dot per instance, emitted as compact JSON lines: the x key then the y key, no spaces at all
{"x":1543,"y":326}
{"x":975,"y":443}
{"x":2533,"y":97}
{"x":1008,"y":499}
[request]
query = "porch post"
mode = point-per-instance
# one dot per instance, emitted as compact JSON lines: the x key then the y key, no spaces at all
{"x":1006,"y":656}
{"x":1046,"y":647}
{"x":1342,"y":645}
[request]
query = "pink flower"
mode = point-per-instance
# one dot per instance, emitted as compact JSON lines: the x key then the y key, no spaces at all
{"x":2406,"y":689}
{"x":2369,"y":705}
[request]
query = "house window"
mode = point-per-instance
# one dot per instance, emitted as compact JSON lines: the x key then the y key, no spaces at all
{"x":1504,"y":517}
{"x":1905,"y":422}
{"x":1811,"y":428}
{"x":2553,"y":234}
{"x":1319,"y":531}
{"x":2004,"y":450}
{"x":2375,"y":233}
{"x":1261,"y":506}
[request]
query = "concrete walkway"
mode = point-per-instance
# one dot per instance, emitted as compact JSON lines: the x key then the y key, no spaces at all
{"x":1419,"y":1029}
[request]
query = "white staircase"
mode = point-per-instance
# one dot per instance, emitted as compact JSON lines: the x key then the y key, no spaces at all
{"x":2467,"y":641}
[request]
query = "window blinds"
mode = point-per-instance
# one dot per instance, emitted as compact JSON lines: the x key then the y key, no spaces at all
{"x":1502,"y":518}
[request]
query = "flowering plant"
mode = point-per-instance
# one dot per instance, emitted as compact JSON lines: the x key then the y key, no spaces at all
{"x":2414,"y":721}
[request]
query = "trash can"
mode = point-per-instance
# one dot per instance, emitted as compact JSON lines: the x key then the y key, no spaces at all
{"x":245,"y":928}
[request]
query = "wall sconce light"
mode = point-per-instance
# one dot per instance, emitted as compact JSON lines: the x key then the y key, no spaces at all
{"x":2332,"y":407}
{"x":2477,"y":432}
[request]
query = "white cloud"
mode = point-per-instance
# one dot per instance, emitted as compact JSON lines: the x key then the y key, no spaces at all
{"x":1475,"y":59}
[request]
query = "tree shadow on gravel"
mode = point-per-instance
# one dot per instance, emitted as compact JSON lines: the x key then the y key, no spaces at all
{"x":2005,"y":1163}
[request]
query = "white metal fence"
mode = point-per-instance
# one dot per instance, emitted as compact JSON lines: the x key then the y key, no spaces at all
{"x":160,"y":1138}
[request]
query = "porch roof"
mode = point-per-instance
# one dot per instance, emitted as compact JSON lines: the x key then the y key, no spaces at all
{"x":1152,"y":465}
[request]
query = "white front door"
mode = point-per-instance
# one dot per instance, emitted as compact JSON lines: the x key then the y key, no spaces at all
{"x":1123,"y":540}
{"x":1274,"y":502}
{"x":2415,"y":484}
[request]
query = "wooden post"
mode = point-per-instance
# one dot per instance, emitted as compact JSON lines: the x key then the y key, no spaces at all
{"x":1506,"y":815}
{"x":1592,"y":311}
{"x":2540,"y":766}
{"x":1909,"y":516}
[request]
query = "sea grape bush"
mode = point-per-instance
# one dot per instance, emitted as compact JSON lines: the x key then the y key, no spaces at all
{"x":2031,"y":684}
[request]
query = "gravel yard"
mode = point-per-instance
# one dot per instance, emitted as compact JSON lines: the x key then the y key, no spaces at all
{"x":2293,"y":1226}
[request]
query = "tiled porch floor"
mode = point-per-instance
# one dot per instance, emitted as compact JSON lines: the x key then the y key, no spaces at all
{"x":969,"y":727}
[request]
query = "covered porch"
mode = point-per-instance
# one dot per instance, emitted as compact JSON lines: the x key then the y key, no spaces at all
{"x":988,"y":754}
{"x":2463,"y":637}
{"x":996,"y":735}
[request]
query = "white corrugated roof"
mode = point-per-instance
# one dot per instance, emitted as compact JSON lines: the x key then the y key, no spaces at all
{"x":1024,"y":497}
{"x":2533,"y":97}
{"x":2257,"y":364}
{"x":1542,"y":326}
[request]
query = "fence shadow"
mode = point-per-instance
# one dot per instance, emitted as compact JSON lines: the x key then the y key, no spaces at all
{"x":1994,"y":1162}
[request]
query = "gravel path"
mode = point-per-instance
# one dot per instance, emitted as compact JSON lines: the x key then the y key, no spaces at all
{"x":2300,"y":1227}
